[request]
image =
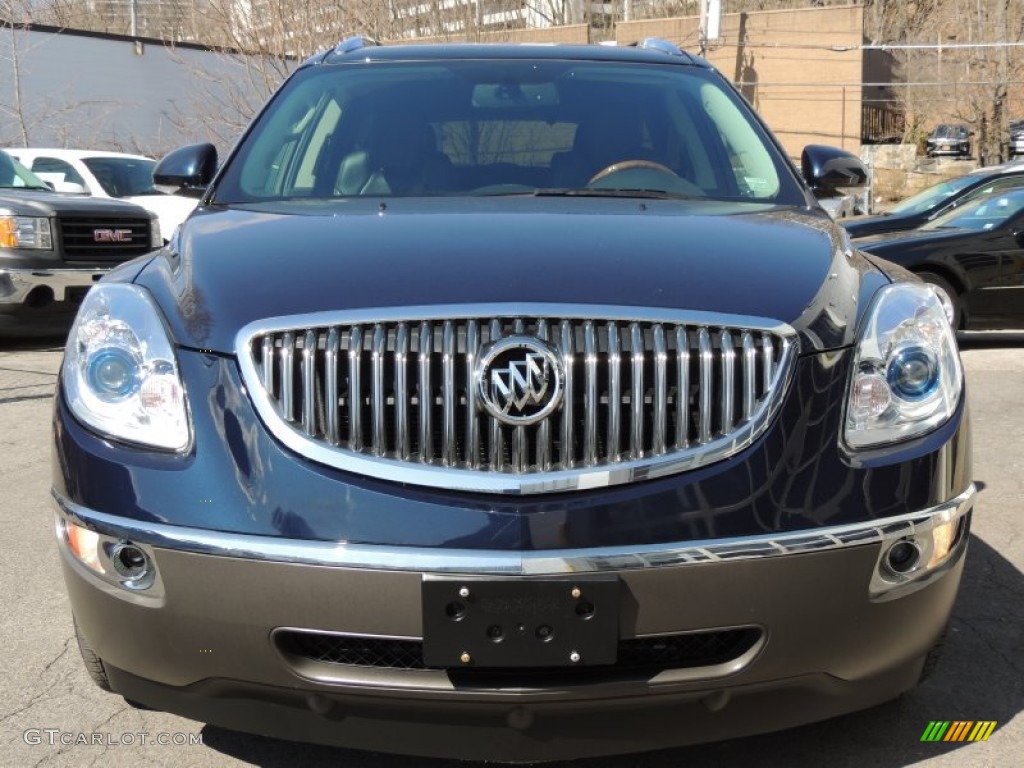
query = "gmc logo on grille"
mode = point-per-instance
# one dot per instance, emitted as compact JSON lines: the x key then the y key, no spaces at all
{"x":112,"y":235}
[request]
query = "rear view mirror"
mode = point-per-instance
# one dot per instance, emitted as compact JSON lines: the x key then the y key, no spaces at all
{"x":190,"y":168}
{"x":827,"y":169}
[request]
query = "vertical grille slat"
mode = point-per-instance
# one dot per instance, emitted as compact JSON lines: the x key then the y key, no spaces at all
{"x":707,"y":362}
{"x":544,"y":428}
{"x":495,"y":438}
{"x":425,"y":397}
{"x":589,"y":394}
{"x":567,"y":346}
{"x":660,"y":390}
{"x":288,"y":376}
{"x":614,"y":393}
{"x":728,"y":391}
{"x":448,"y":392}
{"x":520,"y":449}
{"x":682,"y":389}
{"x":402,"y":443}
{"x":331,"y":384}
{"x":767,"y":363}
{"x":407,"y":389}
{"x":749,"y":375}
{"x":355,"y":396}
{"x":267,"y":356}
{"x":472,"y":422}
{"x":378,"y":397}
{"x":309,"y":344}
{"x":636,"y":398}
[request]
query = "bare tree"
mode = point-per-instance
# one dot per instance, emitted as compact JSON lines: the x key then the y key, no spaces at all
{"x":14,"y":109}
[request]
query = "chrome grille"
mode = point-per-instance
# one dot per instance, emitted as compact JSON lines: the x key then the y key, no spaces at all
{"x":644,"y":396}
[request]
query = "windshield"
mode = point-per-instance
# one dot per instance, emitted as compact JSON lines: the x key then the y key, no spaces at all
{"x":933,"y":196}
{"x":14,"y":175}
{"x":123,"y":176}
{"x":950,"y":132}
{"x":507,"y":127}
{"x":982,"y":213}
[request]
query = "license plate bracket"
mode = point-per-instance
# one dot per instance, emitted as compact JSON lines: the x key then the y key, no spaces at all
{"x":504,"y":623}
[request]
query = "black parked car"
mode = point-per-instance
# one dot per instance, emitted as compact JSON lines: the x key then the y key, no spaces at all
{"x":929,"y":203}
{"x":974,"y":255}
{"x":510,"y":402}
{"x":54,"y":247}
{"x":1016,"y":143}
{"x":947,"y":139}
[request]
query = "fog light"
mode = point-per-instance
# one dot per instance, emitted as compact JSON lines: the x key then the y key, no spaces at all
{"x":129,"y":561}
{"x":903,"y":557}
{"x":85,"y":545}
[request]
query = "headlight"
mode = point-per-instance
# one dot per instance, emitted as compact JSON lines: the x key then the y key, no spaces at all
{"x":120,"y":374}
{"x":907,"y":377}
{"x":25,"y":232}
{"x":156,"y":238}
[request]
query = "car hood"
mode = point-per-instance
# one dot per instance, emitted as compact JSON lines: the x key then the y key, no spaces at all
{"x":230,"y":267}
{"x":894,"y":242}
{"x":31,"y":202}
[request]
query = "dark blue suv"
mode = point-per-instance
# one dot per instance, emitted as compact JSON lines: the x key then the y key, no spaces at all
{"x":516,"y":403}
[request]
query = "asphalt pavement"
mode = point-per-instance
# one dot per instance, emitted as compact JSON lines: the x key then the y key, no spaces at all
{"x":52,"y":715}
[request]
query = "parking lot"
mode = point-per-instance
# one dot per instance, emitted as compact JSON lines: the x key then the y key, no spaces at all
{"x":51,"y":711}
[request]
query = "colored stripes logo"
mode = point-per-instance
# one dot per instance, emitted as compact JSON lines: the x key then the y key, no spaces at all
{"x":958,"y":730}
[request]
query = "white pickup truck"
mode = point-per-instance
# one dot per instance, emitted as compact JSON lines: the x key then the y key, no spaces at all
{"x":106,"y":174}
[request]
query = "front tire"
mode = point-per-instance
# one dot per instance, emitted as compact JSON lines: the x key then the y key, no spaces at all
{"x":931,"y":661}
{"x":93,"y":663}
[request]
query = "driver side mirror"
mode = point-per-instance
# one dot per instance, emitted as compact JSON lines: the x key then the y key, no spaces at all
{"x":190,"y":168}
{"x":827,"y":169}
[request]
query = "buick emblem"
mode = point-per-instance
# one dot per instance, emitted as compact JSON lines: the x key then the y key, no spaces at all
{"x":519,"y":379}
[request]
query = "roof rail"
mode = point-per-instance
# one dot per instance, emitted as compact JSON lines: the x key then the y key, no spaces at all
{"x":659,"y":44}
{"x":350,"y":44}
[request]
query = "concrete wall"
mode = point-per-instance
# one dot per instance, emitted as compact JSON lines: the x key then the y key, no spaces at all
{"x":897,"y":172}
{"x":96,"y":91}
{"x":801,"y":69}
{"x":102,"y":92}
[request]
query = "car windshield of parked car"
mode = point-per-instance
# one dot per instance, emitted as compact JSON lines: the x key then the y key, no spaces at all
{"x":507,"y":127}
{"x":950,"y":132}
{"x":123,"y":176}
{"x":981,"y":213}
{"x":929,"y":198}
{"x":14,"y":175}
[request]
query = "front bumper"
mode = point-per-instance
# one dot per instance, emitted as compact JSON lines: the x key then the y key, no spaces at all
{"x":18,"y":285}
{"x":957,"y":149}
{"x":835,"y":633}
{"x":43,"y":301}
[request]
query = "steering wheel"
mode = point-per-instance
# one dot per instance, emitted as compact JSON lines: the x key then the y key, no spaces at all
{"x":628,"y":165}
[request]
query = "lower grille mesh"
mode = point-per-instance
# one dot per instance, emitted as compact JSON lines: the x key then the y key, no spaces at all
{"x":682,"y":651}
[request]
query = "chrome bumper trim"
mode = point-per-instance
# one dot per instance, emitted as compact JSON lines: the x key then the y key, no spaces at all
{"x":525,"y":563}
{"x":16,"y":284}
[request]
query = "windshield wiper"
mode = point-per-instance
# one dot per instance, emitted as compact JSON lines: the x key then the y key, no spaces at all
{"x":647,"y":194}
{"x":27,"y":186}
